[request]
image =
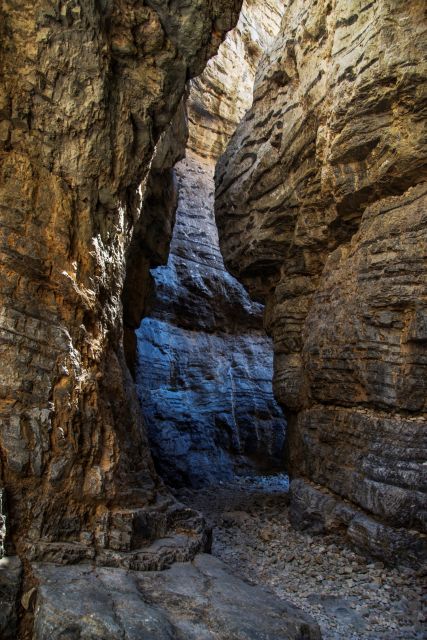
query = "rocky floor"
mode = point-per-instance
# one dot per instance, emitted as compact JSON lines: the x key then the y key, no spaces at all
{"x":350,"y":596}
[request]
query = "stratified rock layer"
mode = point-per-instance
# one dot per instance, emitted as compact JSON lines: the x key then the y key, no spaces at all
{"x":220,"y":97}
{"x":205,"y":365}
{"x":86,"y":90}
{"x":322,"y":214}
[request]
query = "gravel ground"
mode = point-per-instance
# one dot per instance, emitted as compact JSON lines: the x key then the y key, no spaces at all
{"x":352,"y":597}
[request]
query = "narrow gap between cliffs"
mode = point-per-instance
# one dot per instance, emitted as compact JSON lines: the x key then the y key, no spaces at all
{"x":204,"y":364}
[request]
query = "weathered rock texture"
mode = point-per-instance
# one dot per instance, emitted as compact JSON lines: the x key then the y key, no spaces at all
{"x":322,"y":214}
{"x":205,"y":365}
{"x":190,"y":601}
{"x":220,"y":97}
{"x":204,"y":362}
{"x":86,"y":90}
{"x":152,"y":234}
{"x":2,"y":524}
{"x":10,"y":584}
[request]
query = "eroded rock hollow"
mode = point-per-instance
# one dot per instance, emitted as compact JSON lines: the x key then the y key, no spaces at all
{"x":321,"y":207}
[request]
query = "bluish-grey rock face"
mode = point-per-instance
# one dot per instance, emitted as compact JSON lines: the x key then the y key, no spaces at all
{"x":205,"y":365}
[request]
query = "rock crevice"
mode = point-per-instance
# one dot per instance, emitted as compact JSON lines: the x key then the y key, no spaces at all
{"x":204,"y":366}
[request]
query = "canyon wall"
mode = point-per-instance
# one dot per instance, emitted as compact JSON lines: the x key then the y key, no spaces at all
{"x":86,"y":91}
{"x":221,"y":95}
{"x":204,"y":365}
{"x":321,"y":203}
{"x":90,"y":127}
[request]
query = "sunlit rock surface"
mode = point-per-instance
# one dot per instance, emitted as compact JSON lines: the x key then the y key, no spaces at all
{"x":322,"y":214}
{"x":220,"y":97}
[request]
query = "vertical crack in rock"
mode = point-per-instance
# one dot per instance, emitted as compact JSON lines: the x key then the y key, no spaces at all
{"x":321,"y":208}
{"x":204,"y":365}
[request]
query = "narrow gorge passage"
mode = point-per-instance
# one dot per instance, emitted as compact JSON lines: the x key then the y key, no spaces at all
{"x":204,"y":378}
{"x":213,"y":321}
{"x":204,"y":365}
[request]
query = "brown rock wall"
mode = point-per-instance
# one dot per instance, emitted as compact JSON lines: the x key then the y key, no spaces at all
{"x":317,"y":216}
{"x":220,"y":97}
{"x":86,"y":90}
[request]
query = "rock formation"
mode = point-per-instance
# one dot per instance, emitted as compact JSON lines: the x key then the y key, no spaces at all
{"x":221,"y":95}
{"x":321,"y":202}
{"x":89,"y":104}
{"x":189,"y":601}
{"x":321,"y":206}
{"x":86,"y":91}
{"x":204,"y":362}
{"x":204,"y":373}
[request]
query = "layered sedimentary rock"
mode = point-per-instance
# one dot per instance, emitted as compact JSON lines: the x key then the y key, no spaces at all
{"x":86,"y":90}
{"x":322,"y":214}
{"x":204,"y":362}
{"x":204,"y":366}
{"x":220,"y":97}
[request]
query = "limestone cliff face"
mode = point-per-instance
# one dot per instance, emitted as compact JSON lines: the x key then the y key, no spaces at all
{"x":204,"y":365}
{"x":321,"y":208}
{"x":86,"y":90}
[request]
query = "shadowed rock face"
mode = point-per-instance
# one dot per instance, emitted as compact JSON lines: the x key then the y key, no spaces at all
{"x":204,"y":362}
{"x":10,"y":584}
{"x":321,"y":207}
{"x":2,"y":524}
{"x":86,"y":90}
{"x":204,"y":366}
